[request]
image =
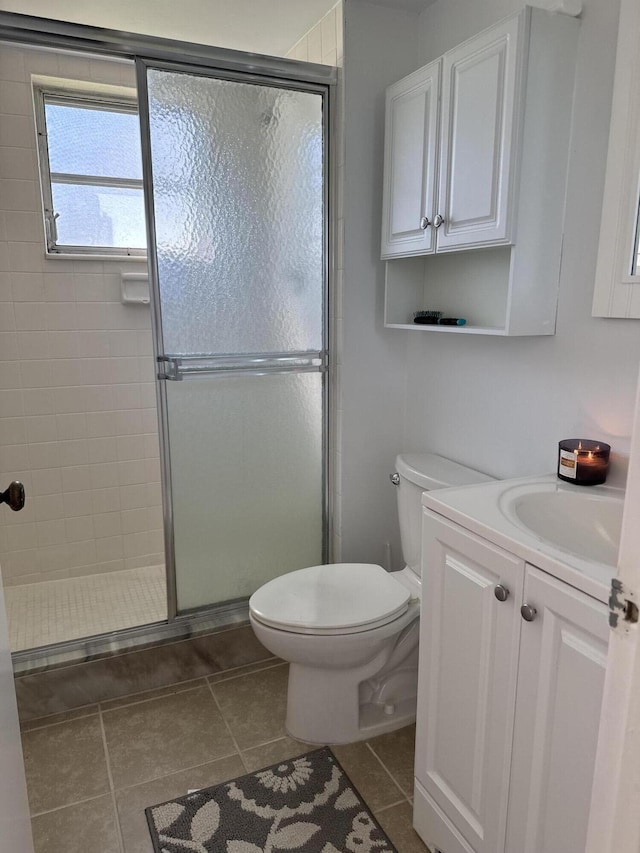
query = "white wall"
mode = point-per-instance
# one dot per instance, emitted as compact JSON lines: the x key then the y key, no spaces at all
{"x":503,"y":404}
{"x":78,"y":421}
{"x":380,"y":47}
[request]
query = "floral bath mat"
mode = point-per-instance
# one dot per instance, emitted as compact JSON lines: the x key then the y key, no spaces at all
{"x":305,"y":804}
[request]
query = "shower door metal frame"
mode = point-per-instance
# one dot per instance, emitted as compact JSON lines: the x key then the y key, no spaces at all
{"x":171,"y":367}
{"x":146,"y":51}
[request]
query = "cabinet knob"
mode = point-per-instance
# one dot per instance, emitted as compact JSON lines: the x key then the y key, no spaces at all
{"x":501,"y":592}
{"x":528,"y":612}
{"x":425,"y":222}
{"x":438,"y":220}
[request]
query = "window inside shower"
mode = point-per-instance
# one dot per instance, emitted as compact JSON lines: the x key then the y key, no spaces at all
{"x":78,"y":413}
{"x":90,"y":170}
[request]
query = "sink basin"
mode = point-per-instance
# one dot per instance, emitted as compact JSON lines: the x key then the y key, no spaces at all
{"x":578,"y":522}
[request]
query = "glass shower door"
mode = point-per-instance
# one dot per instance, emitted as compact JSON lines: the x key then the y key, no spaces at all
{"x":235,"y":182}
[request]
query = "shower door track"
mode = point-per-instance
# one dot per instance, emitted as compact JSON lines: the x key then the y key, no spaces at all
{"x":221,"y":617}
{"x":34,"y":31}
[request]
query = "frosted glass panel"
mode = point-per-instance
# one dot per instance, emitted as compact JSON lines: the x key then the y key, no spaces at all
{"x":246,"y":460}
{"x":238,"y":207}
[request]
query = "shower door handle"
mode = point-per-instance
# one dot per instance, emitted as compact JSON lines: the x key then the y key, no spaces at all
{"x":13,"y":496}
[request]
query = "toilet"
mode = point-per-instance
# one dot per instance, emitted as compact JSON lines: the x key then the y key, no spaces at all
{"x":350,"y":630}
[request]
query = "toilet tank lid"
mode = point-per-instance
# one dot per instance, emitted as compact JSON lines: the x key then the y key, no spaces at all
{"x":430,"y":471}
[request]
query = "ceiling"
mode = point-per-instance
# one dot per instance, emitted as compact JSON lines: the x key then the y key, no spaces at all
{"x":260,"y":26}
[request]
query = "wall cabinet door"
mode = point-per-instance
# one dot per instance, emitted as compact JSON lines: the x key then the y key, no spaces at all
{"x":411,"y":146}
{"x":563,"y":655}
{"x":479,"y":118}
{"x":468,"y":664}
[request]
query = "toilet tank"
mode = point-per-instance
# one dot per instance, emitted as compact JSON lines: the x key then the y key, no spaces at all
{"x":418,"y":473}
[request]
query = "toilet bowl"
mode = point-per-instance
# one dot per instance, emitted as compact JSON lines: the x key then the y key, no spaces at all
{"x":350,"y":630}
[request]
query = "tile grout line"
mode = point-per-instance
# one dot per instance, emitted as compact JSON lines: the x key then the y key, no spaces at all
{"x":227,"y":726}
{"x":386,"y":769}
{"x":68,"y":805}
{"x":282,"y":737}
{"x":170,"y":692}
{"x":177,"y":772}
{"x":236,"y":674}
{"x":270,"y":664}
{"x":386,"y":808}
{"x":59,"y":722}
{"x":112,"y":789}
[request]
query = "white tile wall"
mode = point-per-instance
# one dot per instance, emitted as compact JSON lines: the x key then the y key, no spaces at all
{"x":78,"y":420}
{"x":323,"y":42}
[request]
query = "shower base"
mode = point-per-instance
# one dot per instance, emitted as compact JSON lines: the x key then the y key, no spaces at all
{"x":51,"y":612}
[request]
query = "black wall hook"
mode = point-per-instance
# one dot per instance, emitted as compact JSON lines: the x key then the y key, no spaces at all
{"x":13,"y":496}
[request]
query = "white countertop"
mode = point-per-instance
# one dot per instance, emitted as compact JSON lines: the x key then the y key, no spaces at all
{"x":484,"y":509}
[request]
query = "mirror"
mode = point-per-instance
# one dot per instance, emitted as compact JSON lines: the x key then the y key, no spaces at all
{"x":617,"y":288}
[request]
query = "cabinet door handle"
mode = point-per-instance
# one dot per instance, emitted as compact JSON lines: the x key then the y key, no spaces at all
{"x":501,"y":592}
{"x":425,"y":222}
{"x":438,"y":220}
{"x":528,"y":612}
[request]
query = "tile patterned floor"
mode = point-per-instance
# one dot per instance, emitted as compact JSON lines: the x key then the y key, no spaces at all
{"x":55,"y":611}
{"x":92,"y":772}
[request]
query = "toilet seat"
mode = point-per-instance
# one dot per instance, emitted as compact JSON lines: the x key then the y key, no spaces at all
{"x":339,"y":598}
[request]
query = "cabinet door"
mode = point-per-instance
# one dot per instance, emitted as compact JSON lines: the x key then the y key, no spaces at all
{"x":563,"y":656}
{"x":480,"y":111}
{"x":467,"y":682}
{"x":410,"y":154}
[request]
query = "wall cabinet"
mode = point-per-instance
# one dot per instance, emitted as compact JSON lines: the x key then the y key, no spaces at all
{"x":471,"y":141}
{"x":476,"y":150}
{"x":508,"y":709}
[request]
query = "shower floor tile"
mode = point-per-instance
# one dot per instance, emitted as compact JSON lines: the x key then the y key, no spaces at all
{"x":41,"y":614}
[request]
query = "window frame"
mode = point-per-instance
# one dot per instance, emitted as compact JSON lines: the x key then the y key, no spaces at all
{"x":44,"y":95}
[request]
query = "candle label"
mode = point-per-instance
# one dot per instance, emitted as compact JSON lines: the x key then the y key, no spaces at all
{"x":567,"y":466}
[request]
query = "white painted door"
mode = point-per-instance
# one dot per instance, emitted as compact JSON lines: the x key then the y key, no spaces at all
{"x":468,"y":668}
{"x":614,"y":825}
{"x":410,"y":162}
{"x":480,"y":105}
{"x":563,"y":656}
{"x":15,"y":824}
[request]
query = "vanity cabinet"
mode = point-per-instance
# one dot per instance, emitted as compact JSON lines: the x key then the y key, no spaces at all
{"x":508,"y":709}
{"x":475,"y":166}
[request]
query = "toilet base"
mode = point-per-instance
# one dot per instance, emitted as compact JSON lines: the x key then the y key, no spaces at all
{"x":324,"y":707}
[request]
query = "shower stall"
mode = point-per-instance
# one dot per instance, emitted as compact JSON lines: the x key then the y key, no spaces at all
{"x":235,"y":165}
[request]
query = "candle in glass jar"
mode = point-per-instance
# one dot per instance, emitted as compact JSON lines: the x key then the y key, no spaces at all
{"x":583,"y":461}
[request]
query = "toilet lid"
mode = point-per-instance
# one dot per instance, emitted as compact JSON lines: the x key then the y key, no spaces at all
{"x":336,"y":598}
